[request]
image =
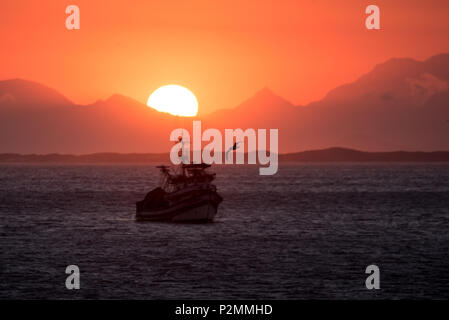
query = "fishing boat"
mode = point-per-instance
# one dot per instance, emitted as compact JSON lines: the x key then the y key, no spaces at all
{"x":187,"y":195}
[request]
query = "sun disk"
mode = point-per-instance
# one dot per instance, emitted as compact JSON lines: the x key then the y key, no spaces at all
{"x":174,"y":99}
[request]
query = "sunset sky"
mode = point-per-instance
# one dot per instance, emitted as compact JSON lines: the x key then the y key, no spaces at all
{"x":223,"y":51}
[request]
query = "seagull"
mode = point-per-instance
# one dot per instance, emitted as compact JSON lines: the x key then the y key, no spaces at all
{"x":179,"y":140}
{"x":234,"y":147}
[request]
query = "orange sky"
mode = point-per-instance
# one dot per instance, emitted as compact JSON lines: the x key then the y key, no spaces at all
{"x":223,"y":51}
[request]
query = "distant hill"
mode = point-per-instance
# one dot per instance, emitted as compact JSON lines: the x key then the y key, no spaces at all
{"x":326,"y":155}
{"x":350,"y":155}
{"x":117,"y":124}
{"x":95,"y":158}
{"x":402,"y":104}
{"x":19,"y":93}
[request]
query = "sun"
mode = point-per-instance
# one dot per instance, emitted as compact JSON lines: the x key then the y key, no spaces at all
{"x":174,"y":99}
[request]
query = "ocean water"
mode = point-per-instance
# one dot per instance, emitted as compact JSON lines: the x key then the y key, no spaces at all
{"x":310,"y":231}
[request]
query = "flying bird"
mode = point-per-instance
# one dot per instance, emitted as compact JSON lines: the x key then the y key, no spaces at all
{"x":234,"y":147}
{"x":181,"y":152}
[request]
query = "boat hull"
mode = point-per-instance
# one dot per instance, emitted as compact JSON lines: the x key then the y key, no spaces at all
{"x":195,"y":210}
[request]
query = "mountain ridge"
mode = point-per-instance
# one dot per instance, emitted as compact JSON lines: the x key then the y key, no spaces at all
{"x":13,"y":91}
{"x":399,"y":104}
{"x":331,"y":155}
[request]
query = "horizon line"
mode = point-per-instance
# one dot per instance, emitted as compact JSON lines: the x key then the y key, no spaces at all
{"x":168,"y":152}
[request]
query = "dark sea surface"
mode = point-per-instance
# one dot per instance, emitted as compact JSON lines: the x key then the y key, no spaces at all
{"x":309,"y":231}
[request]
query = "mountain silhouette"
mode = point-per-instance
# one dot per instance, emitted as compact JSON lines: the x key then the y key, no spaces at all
{"x":402,"y":104}
{"x":335,"y":154}
{"x":115,"y":124}
{"x":19,"y":93}
{"x":264,"y":108}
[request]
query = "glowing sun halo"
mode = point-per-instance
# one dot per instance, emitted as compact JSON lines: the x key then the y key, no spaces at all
{"x":174,"y":99}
